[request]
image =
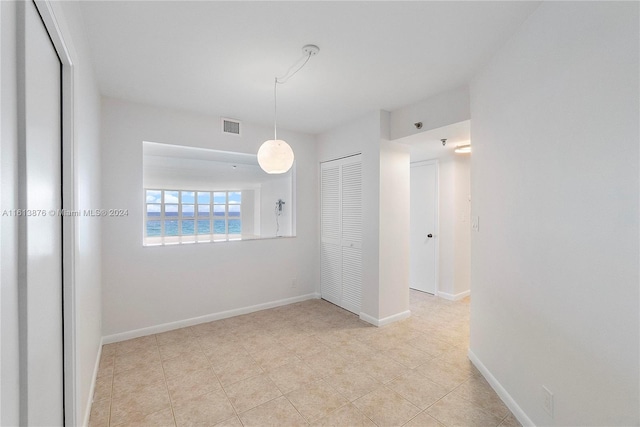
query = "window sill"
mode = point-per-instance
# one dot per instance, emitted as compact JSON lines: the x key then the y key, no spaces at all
{"x":186,"y":240}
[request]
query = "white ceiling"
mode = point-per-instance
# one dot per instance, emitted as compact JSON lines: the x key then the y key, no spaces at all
{"x":220,"y":58}
{"x":194,"y":153}
{"x":185,"y":165}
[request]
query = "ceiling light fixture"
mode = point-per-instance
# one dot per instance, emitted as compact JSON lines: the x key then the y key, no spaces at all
{"x":463,"y":149}
{"x":275,"y":156}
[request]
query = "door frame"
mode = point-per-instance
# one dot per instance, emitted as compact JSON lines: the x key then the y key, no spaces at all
{"x":437,"y":216}
{"x":57,"y":33}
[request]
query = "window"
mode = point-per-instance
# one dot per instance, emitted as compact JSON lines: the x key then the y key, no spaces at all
{"x":196,"y":195}
{"x":186,"y":216}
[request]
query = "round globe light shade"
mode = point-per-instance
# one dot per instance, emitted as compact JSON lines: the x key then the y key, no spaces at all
{"x":275,"y":156}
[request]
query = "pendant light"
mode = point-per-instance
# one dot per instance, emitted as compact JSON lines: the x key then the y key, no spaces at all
{"x":275,"y":156}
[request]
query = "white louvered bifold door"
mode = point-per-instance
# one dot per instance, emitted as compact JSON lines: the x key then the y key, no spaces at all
{"x":341,"y":232}
{"x":352,"y":235}
{"x":330,"y":247}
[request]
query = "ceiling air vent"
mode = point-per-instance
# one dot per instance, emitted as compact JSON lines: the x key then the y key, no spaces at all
{"x":230,"y":126}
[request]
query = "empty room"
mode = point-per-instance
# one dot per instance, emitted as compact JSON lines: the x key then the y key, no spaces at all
{"x":324,"y":213}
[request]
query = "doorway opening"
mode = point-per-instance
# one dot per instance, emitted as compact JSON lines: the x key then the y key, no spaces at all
{"x":440,"y":212}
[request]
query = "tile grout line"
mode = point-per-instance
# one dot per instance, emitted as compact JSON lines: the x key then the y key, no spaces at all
{"x":294,"y":407}
{"x":314,"y":329}
{"x":210,"y":364}
{"x":166,"y":384}
{"x":466,"y":400}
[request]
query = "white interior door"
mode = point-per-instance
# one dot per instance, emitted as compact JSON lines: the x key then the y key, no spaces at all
{"x":424,"y":238}
{"x":341,"y":232}
{"x":41,"y":254}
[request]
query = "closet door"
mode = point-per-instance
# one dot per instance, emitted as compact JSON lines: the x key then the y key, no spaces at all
{"x":341,"y":232}
{"x":330,"y":242}
{"x":40,"y":257}
{"x":351,"y":241}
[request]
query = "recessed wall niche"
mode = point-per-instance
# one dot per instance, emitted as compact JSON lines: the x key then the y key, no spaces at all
{"x":196,"y":195}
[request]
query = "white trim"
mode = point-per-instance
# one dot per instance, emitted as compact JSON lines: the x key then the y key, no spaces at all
{"x":136,"y":333}
{"x":92,"y":387}
{"x":1,"y":257}
{"x":454,"y":297}
{"x":356,"y":153}
{"x":385,"y":320}
{"x":500,"y":391}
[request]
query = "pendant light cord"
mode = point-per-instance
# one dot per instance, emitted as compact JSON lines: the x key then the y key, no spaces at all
{"x":289,"y":74}
{"x":282,"y":80}
{"x":275,"y":109}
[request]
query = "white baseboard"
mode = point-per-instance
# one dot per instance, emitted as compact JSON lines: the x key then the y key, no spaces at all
{"x":501,"y":392}
{"x":92,"y":387}
{"x":136,"y":333}
{"x":385,"y":320}
{"x":454,"y":297}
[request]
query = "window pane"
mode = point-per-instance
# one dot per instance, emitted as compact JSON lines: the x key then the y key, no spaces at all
{"x":188,"y":227}
{"x":235,"y":197}
{"x":171,"y":228}
{"x":219,"y":197}
{"x":171,"y":196}
{"x":154,"y":196}
{"x":235,"y":226}
{"x":188,"y":211}
{"x":188,"y":196}
{"x":234,"y":210}
{"x":218,"y":226}
{"x":204,"y":197}
{"x":218,"y":210}
{"x":204,"y":226}
{"x":153,"y":209}
{"x":171,"y":210}
{"x":204,"y":210}
{"x":153,"y":228}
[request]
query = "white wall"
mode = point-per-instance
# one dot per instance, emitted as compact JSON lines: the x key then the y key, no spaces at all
{"x":446,"y":226}
{"x":462,"y":227}
{"x":385,"y":244}
{"x":249,"y":211}
{"x":270,"y":192}
{"x":149,"y":286}
{"x":453,"y":226}
{"x":440,"y":110}
{"x":87,"y":305}
{"x":555,"y":185}
{"x":88,"y":274}
{"x":394,"y":224}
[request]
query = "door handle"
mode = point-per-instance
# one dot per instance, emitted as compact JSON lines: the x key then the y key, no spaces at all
{"x":429,"y":235}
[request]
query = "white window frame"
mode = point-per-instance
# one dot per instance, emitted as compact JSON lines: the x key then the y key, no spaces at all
{"x":179,"y":238}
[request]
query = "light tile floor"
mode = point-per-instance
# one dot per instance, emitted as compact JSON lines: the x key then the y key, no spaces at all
{"x":309,"y":363}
